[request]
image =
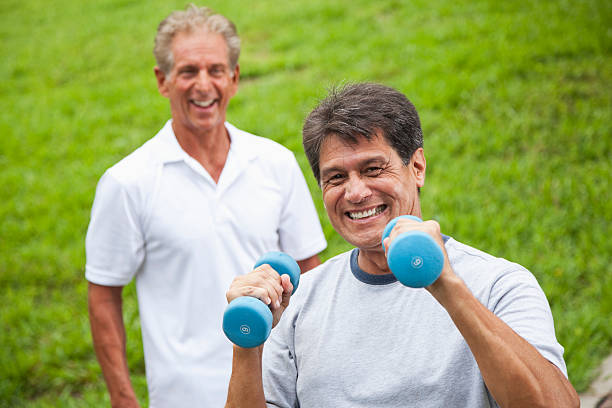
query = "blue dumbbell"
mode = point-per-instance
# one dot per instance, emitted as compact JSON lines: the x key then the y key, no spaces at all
{"x":247,"y":321}
{"x":414,"y":257}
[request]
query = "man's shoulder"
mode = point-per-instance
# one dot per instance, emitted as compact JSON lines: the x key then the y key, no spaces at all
{"x":141,"y":162}
{"x":329,"y":270}
{"x":461,"y":252}
{"x":481,"y":269}
{"x":460,"y":249}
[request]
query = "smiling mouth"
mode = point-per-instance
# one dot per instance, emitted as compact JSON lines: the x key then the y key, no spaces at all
{"x":359,"y":215}
{"x":203,"y":104}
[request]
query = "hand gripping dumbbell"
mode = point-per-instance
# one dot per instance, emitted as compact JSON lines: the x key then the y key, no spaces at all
{"x":414,"y":257}
{"x":247,"y":321}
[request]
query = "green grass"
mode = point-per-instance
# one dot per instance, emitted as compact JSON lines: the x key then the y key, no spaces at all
{"x":515,"y":101}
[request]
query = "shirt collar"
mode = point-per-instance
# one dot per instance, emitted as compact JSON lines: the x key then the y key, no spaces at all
{"x":169,"y":150}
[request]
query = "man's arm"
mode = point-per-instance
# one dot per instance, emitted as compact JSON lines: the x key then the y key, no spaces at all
{"x":109,"y":339}
{"x":309,"y":263}
{"x":515,"y":372}
{"x":246,"y":384}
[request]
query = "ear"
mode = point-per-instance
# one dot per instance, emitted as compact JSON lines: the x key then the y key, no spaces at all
{"x":235,"y":80}
{"x":419,"y":165}
{"x":161,"y":81}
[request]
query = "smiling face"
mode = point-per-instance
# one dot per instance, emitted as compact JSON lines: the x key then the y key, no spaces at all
{"x":366,"y":185}
{"x":200,"y":84}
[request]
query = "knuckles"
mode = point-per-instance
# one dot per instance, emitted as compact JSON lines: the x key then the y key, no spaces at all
{"x":252,"y":284}
{"x":430,"y":227}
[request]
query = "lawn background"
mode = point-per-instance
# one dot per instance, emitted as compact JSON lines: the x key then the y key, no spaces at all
{"x":514,"y":98}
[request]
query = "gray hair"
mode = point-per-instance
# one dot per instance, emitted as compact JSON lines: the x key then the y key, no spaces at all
{"x":191,"y":19}
{"x":357,"y":110}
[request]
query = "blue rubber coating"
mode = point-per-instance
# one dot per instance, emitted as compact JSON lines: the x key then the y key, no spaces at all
{"x":414,"y":257}
{"x":283,"y":264}
{"x":247,"y":322}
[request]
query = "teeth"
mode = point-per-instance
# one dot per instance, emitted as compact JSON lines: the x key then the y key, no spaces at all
{"x":204,"y":104}
{"x":368,"y":213}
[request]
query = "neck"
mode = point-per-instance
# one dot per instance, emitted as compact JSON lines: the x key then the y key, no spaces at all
{"x":373,"y":261}
{"x":209,"y":148}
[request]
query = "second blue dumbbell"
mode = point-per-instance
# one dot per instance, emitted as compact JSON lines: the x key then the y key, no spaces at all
{"x":247,"y":321}
{"x":414,"y":257}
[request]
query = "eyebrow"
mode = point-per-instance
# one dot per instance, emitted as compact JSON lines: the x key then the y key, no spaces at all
{"x":186,"y":66}
{"x":192,"y":65}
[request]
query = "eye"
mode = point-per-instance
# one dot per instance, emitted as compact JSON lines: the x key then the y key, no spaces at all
{"x":217,"y":71}
{"x":334,"y":179}
{"x":373,"y":171}
{"x":187,"y":72}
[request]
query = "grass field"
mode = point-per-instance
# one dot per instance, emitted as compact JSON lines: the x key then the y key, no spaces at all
{"x":514,"y":97}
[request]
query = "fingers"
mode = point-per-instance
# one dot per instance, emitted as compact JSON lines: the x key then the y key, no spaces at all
{"x":271,"y":284}
{"x":430,"y":227}
{"x":263,"y":283}
{"x":287,"y":290}
{"x":386,"y":243}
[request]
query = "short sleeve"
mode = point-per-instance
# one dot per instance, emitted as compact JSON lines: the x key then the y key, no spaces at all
{"x":300,"y":231}
{"x":114,"y":244}
{"x":518,"y":299}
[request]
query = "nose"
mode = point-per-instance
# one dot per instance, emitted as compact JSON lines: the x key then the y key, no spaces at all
{"x":203,"y":82}
{"x":356,"y":190}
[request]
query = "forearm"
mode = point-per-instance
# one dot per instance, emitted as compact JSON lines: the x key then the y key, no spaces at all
{"x":246,"y":384}
{"x":514,"y":371}
{"x":109,"y":340}
{"x":113,"y":363}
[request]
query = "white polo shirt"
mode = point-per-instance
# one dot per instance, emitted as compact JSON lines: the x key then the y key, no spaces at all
{"x":159,"y":216}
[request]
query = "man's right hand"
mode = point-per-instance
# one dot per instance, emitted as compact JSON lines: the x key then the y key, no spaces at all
{"x":265,"y":284}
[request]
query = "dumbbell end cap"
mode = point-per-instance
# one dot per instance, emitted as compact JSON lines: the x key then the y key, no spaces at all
{"x":415,"y":259}
{"x":247,"y":322}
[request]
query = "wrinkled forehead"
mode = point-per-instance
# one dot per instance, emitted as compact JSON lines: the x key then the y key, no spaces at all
{"x":355,"y":142}
{"x":339,"y":149}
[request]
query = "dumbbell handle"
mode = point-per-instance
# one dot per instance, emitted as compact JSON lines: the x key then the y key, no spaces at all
{"x":414,"y":257}
{"x":247,"y":321}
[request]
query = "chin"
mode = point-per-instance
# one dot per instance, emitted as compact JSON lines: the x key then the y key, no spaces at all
{"x":365,"y":243}
{"x":366,"y":236}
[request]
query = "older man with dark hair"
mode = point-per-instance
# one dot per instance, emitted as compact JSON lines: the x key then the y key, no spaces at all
{"x":480,"y":335}
{"x":184,"y":214}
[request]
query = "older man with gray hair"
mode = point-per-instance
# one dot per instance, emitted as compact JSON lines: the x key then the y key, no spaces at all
{"x":186,"y":213}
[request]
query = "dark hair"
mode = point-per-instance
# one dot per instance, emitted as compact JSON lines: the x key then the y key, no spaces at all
{"x":357,"y":110}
